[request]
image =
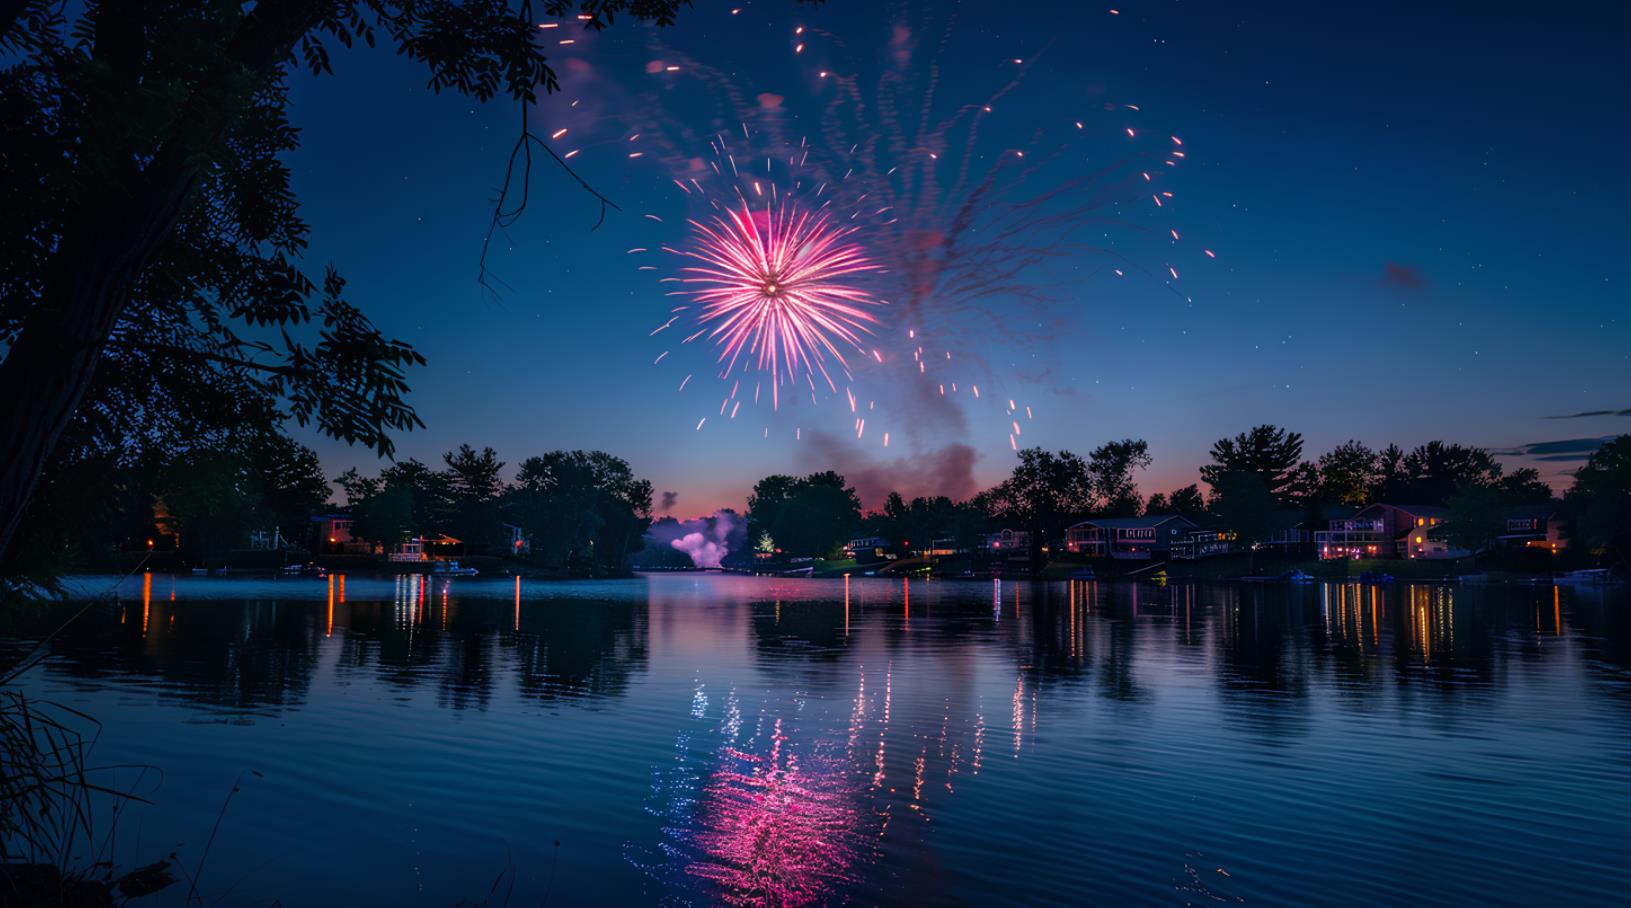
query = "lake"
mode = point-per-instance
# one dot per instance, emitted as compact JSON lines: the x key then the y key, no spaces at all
{"x":705,"y":739}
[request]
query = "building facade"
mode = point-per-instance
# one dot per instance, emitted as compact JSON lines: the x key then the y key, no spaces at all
{"x":1387,"y":531}
{"x":1138,"y":538}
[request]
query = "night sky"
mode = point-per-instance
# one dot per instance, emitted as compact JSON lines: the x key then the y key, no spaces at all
{"x":1417,"y":218}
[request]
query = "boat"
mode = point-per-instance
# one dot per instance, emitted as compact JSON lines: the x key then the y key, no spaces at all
{"x":1299,"y":577}
{"x":1082,"y":574}
{"x":452,"y":569}
{"x":1370,"y":577}
{"x":309,"y":569}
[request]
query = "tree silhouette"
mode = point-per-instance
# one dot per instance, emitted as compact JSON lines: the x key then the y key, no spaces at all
{"x":148,"y":228}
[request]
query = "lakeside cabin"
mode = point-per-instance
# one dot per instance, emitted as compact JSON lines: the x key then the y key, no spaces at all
{"x":1138,"y":538}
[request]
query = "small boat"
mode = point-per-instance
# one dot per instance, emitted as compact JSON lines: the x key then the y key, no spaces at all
{"x":1369,"y":577}
{"x":1082,"y":574}
{"x":452,"y":569}
{"x":1299,"y":577}
{"x":304,"y":570}
{"x":201,"y":572}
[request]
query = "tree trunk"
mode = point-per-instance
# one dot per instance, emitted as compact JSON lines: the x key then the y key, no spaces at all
{"x":48,"y":371}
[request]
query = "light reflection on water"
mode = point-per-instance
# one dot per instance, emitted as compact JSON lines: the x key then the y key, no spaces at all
{"x":698,"y":739}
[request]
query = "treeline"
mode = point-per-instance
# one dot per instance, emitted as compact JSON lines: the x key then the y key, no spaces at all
{"x":200,"y":500}
{"x":1255,"y":483}
{"x":576,"y":510}
{"x":581,"y":511}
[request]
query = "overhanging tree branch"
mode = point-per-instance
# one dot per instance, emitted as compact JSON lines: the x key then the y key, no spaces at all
{"x":502,"y":219}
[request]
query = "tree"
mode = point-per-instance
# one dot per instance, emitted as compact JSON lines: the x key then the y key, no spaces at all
{"x":1391,"y":476}
{"x":1478,"y":516}
{"x":809,"y":515}
{"x":1045,"y":494}
{"x":386,"y":517}
{"x":1595,"y":509}
{"x":1268,"y":452}
{"x":1349,"y":473}
{"x":1242,"y":500}
{"x":766,"y":500}
{"x":148,"y":227}
{"x":1187,"y":501}
{"x":211,"y":495}
{"x":290,"y":480}
{"x":583,"y":509}
{"x":1436,"y":471}
{"x":473,"y":484}
{"x":1110,"y":468}
{"x":1157,"y":504}
{"x":1524,"y":486}
{"x":1302,"y":488}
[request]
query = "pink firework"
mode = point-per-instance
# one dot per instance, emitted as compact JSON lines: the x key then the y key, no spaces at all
{"x":773,"y":292}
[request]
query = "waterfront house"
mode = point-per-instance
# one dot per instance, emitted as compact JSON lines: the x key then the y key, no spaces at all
{"x":1534,"y":526}
{"x":1153,"y":535}
{"x":1011,"y":544}
{"x":867,"y":548}
{"x":333,"y":534}
{"x":1205,"y":542}
{"x":1387,"y":531}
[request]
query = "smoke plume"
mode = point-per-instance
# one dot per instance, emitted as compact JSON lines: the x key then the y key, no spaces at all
{"x":948,"y":470}
{"x":705,"y":541}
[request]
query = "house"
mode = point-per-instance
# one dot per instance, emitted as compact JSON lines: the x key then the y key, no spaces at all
{"x":1011,"y":544}
{"x":1387,"y":531}
{"x":520,"y":542}
{"x":1204,"y":542}
{"x":867,"y":548}
{"x":1129,"y":537}
{"x":426,"y":548}
{"x":333,"y":533}
{"x":410,"y":551}
{"x":1534,"y":526}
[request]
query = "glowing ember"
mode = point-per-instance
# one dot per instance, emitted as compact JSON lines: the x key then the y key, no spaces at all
{"x":773,"y":292}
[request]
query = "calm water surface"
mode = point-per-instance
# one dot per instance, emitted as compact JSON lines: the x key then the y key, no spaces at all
{"x":703,"y":739}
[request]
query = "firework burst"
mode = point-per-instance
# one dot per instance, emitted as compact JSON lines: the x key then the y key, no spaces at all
{"x":774,"y":292}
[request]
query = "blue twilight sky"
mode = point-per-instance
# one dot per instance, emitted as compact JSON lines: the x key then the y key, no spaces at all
{"x":1418,"y":218}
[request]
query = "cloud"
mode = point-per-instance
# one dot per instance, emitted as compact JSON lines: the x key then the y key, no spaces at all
{"x":948,"y":470}
{"x":1585,"y":413}
{"x":668,"y":501}
{"x":1565,"y":450}
{"x":1404,"y":277}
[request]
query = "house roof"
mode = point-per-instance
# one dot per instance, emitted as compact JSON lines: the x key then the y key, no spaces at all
{"x":1415,"y":510}
{"x":1130,"y":523}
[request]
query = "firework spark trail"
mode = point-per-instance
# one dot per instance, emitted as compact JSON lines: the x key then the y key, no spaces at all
{"x":773,"y":291}
{"x":972,"y":217}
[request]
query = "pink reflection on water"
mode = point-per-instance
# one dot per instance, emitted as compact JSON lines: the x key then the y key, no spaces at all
{"x":773,"y":833}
